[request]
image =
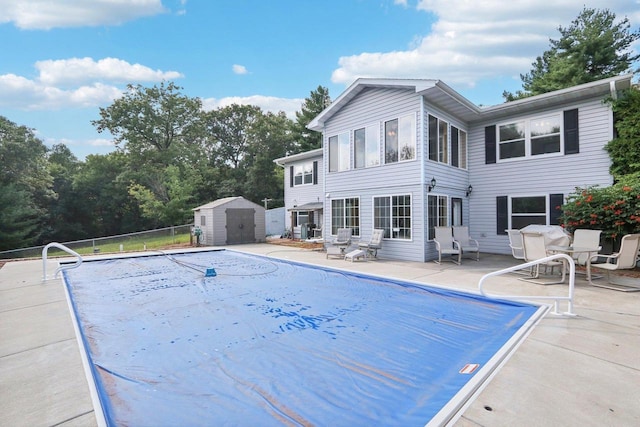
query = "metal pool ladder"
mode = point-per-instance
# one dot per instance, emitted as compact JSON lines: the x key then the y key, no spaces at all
{"x":62,"y":267}
{"x":556,"y":299}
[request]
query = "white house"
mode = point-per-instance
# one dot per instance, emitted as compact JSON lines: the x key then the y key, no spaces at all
{"x":409,"y":155}
{"x":304,"y":193}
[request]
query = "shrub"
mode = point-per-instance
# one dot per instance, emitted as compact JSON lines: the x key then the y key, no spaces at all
{"x":615,"y":210}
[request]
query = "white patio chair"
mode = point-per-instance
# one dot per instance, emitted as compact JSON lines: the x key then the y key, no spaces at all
{"x":446,"y":245}
{"x":583,"y":238}
{"x":625,"y":258}
{"x":534,"y":248}
{"x":343,"y":239}
{"x":371,"y":247}
{"x":467,"y":244}
{"x":515,"y":243}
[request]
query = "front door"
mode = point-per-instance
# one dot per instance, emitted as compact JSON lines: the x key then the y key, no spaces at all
{"x":240,"y":226}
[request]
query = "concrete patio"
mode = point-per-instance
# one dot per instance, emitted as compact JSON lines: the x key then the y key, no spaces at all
{"x":570,"y":371}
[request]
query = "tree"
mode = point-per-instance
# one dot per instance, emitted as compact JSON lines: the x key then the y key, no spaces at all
{"x":102,"y":197}
{"x":624,"y":149}
{"x":64,"y":212}
{"x":229,"y":137}
{"x":154,"y":125}
{"x":25,"y":184}
{"x":592,"y":48}
{"x":272,"y":139}
{"x":308,"y":139}
{"x":161,"y":132}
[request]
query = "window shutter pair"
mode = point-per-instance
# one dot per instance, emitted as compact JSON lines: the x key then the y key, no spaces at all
{"x":571,"y":137}
{"x":315,"y":174}
{"x":502,"y":212}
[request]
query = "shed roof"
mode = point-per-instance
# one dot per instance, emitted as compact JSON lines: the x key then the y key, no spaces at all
{"x":223,"y":201}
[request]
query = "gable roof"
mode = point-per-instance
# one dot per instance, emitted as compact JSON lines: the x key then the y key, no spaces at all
{"x":443,"y":96}
{"x":223,"y":201}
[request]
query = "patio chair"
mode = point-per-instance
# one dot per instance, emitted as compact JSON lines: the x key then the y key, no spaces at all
{"x":467,"y":244}
{"x":534,"y":248}
{"x":515,"y":243}
{"x":343,"y":239}
{"x":583,"y":238}
{"x":446,"y":245}
{"x":371,"y":247}
{"x":624,"y":259}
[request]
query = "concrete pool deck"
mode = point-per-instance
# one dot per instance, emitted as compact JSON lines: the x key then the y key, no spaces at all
{"x":580,"y":371}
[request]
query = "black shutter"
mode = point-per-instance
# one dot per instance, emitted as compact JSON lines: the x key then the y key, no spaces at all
{"x":489,"y":144}
{"x":315,"y":173}
{"x":555,"y":204}
{"x":454,"y":146}
{"x":571,"y":137}
{"x":502,"y":217}
{"x":290,"y":176}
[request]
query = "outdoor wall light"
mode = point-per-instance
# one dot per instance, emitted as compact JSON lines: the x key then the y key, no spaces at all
{"x":432,"y":185}
{"x":469,"y":190}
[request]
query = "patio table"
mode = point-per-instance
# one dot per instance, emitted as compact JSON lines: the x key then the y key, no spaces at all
{"x":570,"y":250}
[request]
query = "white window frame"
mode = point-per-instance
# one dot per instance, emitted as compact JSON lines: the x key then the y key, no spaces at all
{"x":339,"y":152}
{"x":304,"y":171}
{"x":391,"y":232}
{"x":344,"y":223}
{"x":371,"y":147}
{"x":528,"y":138}
{"x":443,"y":214}
{"x":403,"y":141}
{"x":462,"y":146}
{"x":544,"y":215}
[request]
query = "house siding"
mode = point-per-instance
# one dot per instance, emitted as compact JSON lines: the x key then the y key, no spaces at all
{"x":302,"y":194}
{"x":537,"y":176}
{"x":369,"y":107}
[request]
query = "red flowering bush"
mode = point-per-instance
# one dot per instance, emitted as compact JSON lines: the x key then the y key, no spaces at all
{"x":615,"y":210}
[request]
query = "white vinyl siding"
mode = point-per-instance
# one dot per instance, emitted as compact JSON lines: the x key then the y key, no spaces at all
{"x":546,"y":174}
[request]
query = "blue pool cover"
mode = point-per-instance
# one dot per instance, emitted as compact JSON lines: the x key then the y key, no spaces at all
{"x":226,"y":338}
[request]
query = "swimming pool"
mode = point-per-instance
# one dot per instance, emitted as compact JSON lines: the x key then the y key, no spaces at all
{"x":227,"y":338}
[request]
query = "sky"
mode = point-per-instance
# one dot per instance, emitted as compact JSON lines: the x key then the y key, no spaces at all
{"x":63,"y":60}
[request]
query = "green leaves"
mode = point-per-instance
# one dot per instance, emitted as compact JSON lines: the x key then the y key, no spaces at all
{"x":594,"y":47}
{"x":615,"y":210}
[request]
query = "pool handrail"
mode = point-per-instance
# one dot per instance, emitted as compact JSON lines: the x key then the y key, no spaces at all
{"x":60,"y":268}
{"x":557,"y":299}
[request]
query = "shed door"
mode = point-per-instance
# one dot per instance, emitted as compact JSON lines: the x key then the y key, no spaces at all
{"x":240,"y":226}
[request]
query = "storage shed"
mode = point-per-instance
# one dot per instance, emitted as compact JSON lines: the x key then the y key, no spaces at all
{"x":230,"y":221}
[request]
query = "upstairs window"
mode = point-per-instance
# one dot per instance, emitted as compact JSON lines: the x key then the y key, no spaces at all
{"x":532,"y":137}
{"x":400,"y":139}
{"x":458,"y":148}
{"x":366,"y":147}
{"x":339,"y":152}
{"x":303,"y":174}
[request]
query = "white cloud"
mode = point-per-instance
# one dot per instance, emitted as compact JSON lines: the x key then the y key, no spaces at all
{"x":47,"y":14}
{"x":75,"y":83}
{"x":473,"y":41}
{"x":266,"y":103}
{"x":77,"y":70}
{"x":239,"y":69}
